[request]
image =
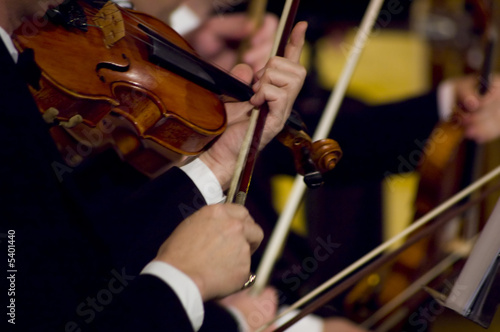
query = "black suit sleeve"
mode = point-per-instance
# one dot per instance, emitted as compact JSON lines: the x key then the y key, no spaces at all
{"x":385,"y":139}
{"x":145,"y":304}
{"x":376,"y":140}
{"x":66,"y":274}
{"x":131,"y":213}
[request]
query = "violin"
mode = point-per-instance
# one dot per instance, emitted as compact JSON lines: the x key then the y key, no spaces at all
{"x":113,"y":65}
{"x":128,"y":81}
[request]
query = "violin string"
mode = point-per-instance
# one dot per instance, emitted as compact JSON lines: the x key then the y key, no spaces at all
{"x":92,"y":13}
{"x":152,"y":36}
{"x":148,"y":37}
{"x":137,"y":20}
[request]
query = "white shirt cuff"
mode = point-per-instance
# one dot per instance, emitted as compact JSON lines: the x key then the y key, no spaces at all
{"x":445,"y":99}
{"x":184,"y":288}
{"x":310,"y":323}
{"x":124,"y":4}
{"x":4,"y":36}
{"x":205,"y":180}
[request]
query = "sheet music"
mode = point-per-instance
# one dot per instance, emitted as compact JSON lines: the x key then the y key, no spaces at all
{"x":477,"y":267}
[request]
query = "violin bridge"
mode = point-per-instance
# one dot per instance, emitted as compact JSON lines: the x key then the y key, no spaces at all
{"x":110,"y":20}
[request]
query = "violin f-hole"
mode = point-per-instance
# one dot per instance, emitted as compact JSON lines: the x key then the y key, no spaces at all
{"x":112,"y":66}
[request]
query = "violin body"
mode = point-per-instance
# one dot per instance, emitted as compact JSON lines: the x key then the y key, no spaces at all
{"x":101,"y":81}
{"x":113,"y":77}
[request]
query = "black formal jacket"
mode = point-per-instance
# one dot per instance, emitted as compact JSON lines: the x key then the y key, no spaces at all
{"x":70,"y":245}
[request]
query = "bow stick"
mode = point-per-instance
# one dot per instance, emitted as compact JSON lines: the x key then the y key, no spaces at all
{"x":386,"y":245}
{"x":484,"y":82}
{"x":297,"y":193}
{"x":255,"y":12}
{"x":238,"y":188}
{"x":245,"y":163}
{"x":298,"y":189}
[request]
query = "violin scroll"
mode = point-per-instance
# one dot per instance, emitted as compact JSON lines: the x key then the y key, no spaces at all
{"x":312,"y":159}
{"x":326,"y":153}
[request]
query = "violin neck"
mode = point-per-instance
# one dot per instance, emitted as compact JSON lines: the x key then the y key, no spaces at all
{"x":170,"y":56}
{"x":489,"y":58}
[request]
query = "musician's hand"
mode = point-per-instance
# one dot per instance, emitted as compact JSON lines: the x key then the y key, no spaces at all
{"x":278,"y":84}
{"x":161,"y":9}
{"x":217,"y":39}
{"x":255,"y":309}
{"x":213,"y":247}
{"x":480,"y":115}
